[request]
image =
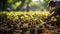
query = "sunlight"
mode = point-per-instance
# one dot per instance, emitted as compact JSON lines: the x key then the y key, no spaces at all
{"x":34,"y":0}
{"x":37,"y":0}
{"x":42,"y":0}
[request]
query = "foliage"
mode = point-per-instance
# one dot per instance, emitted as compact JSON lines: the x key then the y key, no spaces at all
{"x":17,"y":3}
{"x":34,"y":16}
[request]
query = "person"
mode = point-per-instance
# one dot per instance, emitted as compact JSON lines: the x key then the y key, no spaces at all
{"x":56,"y":13}
{"x":52,"y":6}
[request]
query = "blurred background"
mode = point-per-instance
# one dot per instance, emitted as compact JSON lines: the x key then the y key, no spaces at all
{"x":23,"y":5}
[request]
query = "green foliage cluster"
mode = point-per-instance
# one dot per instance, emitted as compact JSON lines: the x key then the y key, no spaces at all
{"x":14,"y":4}
{"x":30,"y":16}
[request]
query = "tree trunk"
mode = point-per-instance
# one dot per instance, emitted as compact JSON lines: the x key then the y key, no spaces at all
{"x":3,"y":5}
{"x":22,"y":4}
